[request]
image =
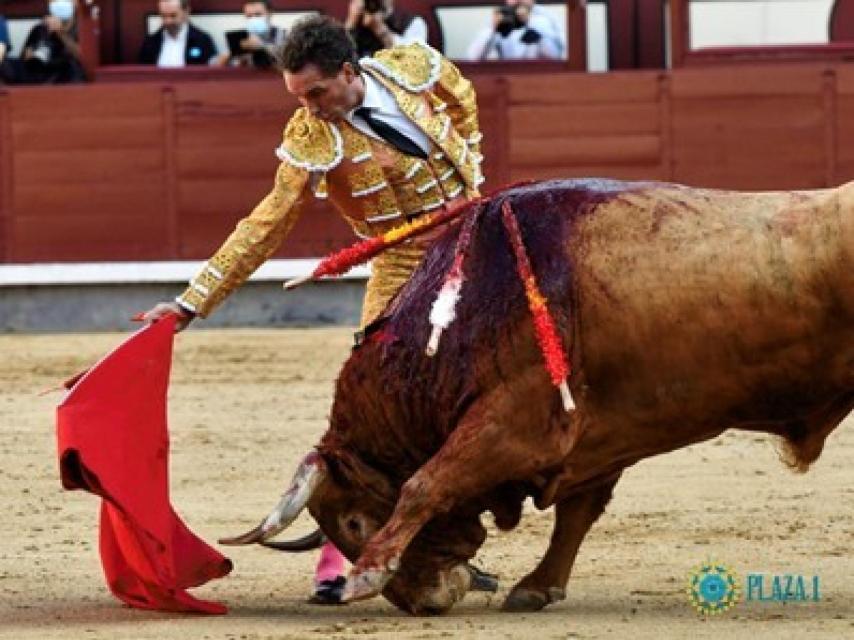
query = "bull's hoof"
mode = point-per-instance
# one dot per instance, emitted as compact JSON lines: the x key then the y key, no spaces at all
{"x":365,"y":584}
{"x":526,"y":600}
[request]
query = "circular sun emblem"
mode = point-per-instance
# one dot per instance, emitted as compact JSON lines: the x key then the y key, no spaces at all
{"x":713,"y":588}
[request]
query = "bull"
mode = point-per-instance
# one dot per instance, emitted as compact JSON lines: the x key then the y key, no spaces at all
{"x":684,"y":312}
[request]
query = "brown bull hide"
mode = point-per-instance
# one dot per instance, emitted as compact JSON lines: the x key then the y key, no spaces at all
{"x":685,"y":312}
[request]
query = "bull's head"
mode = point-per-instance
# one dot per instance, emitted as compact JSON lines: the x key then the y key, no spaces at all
{"x":351,"y":505}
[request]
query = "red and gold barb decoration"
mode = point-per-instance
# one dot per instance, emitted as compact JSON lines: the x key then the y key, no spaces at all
{"x":443,"y":312}
{"x":547,"y":337}
{"x":342,"y":261}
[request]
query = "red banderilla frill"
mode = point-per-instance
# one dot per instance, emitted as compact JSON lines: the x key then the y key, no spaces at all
{"x":342,"y":261}
{"x":547,"y":337}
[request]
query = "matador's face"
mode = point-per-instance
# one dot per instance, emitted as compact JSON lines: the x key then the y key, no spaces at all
{"x":326,"y":97}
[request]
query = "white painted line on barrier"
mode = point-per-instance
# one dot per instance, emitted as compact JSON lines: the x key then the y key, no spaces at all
{"x":22,"y":275}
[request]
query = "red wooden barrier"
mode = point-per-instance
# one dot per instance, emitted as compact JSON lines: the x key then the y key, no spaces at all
{"x":163,"y":170}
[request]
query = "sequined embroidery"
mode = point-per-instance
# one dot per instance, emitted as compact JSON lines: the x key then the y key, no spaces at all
{"x":415,"y":67}
{"x":310,"y":143}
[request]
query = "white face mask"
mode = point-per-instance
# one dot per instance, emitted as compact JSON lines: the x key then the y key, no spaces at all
{"x":62,"y":9}
{"x":257,"y":25}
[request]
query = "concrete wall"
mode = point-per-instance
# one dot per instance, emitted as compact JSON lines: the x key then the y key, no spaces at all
{"x":108,"y":307}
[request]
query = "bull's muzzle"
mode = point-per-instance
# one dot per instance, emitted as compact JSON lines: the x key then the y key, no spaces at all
{"x":309,"y":475}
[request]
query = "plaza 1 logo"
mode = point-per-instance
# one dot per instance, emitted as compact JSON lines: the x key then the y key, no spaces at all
{"x":713,"y":588}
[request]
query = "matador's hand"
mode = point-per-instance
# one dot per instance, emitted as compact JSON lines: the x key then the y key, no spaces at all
{"x":164,"y":309}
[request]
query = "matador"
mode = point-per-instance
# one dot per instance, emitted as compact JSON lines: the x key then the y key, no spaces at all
{"x":386,"y":139}
{"x":370,"y":182}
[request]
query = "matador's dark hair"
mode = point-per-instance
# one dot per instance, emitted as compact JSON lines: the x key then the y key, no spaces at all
{"x":318,"y":40}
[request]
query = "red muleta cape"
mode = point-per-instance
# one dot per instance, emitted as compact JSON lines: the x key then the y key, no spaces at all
{"x":113,"y":442}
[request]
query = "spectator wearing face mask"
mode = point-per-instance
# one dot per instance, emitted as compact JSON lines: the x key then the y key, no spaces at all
{"x":51,"y":53}
{"x":177,"y":43}
{"x":521,"y":30}
{"x":258,"y":39}
{"x":377,"y":24}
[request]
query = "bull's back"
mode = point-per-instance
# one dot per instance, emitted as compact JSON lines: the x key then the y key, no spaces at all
{"x":708,"y":301}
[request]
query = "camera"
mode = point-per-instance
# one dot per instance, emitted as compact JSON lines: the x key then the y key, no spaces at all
{"x":509,"y":20}
{"x":374,"y":6}
{"x":41,"y":52}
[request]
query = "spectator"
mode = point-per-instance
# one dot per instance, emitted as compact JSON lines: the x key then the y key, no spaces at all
{"x":376,"y":24}
{"x":259,"y":39}
{"x":177,"y":43}
{"x":51,"y":53}
{"x":4,"y":39}
{"x":521,"y":30}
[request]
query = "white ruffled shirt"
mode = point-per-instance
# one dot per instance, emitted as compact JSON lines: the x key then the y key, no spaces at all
{"x":384,"y":107}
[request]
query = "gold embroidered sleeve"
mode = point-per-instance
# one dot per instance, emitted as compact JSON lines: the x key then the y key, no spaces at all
{"x":255,"y":239}
{"x":458,"y":92}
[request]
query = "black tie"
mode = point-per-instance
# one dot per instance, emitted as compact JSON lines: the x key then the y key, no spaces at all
{"x":391,"y":135}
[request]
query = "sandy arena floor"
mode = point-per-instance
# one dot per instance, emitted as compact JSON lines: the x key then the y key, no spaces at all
{"x":245,"y":405}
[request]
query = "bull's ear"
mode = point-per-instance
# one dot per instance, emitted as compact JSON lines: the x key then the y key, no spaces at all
{"x":313,"y":540}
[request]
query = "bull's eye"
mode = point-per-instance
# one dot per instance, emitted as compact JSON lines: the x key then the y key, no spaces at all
{"x":353,"y":526}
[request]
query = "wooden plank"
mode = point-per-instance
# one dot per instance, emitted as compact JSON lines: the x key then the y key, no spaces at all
{"x":698,"y":117}
{"x":768,"y":80}
{"x":93,"y":101}
{"x":680,"y":32}
{"x":7,"y":184}
{"x":319,"y":231}
{"x":116,"y":199}
{"x":583,"y":88}
{"x":736,"y":159}
{"x":586,"y":150}
{"x":666,"y":126}
{"x":776,"y":153}
{"x":577,"y":29}
{"x":230,"y":162}
{"x":267,"y":92}
{"x":622,"y":34}
{"x":259,"y":138}
{"x":547,"y":121}
{"x":830,"y":135}
{"x":615,"y":172}
{"x":81,"y":131}
{"x":93,"y":236}
{"x":845,"y":134}
{"x":494,"y":125}
{"x":256,"y":112}
{"x":170,"y":172}
{"x":48,"y":168}
{"x":750,"y":143}
{"x":750,"y":176}
{"x":230,"y":197}
{"x":844,"y":79}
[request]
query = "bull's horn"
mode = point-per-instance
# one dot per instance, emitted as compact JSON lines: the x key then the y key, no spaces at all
{"x":313,"y":540}
{"x":309,"y":474}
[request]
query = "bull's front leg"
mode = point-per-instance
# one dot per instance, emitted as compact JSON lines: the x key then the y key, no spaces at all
{"x":573,"y":518}
{"x":494,"y":443}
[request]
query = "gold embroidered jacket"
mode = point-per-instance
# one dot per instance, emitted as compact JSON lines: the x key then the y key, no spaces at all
{"x":374,"y":186}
